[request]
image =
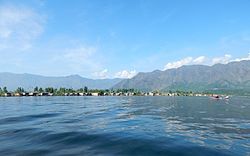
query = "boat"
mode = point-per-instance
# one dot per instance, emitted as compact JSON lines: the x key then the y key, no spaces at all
{"x":226,"y":97}
{"x":215,"y":97}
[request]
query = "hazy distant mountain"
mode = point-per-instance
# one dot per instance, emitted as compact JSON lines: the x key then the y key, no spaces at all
{"x":231,"y":76}
{"x":29,"y":81}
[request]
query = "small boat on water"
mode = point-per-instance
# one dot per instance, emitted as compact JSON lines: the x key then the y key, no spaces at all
{"x":226,"y":97}
{"x":216,"y":97}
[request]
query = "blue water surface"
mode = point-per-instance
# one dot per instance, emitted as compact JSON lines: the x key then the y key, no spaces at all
{"x":124,"y":126}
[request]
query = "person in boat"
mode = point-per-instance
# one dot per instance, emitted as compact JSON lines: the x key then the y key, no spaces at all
{"x":216,"y":96}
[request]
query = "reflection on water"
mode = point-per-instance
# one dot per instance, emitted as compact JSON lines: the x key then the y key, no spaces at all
{"x":124,"y":126}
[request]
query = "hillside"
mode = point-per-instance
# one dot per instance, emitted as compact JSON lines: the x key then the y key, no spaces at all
{"x":29,"y":81}
{"x":231,"y":76}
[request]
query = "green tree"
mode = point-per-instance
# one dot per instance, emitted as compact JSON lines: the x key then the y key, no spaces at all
{"x":40,"y":90}
{"x":5,"y":90}
{"x":85,"y":89}
{"x":1,"y":92}
{"x":101,"y":92}
{"x":36,"y":89}
{"x":19,"y":90}
{"x":49,"y":90}
{"x":61,"y":91}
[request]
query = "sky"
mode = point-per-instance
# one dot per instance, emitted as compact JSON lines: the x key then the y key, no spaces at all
{"x":119,"y":38}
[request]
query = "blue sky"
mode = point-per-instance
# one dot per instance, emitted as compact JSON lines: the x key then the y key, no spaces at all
{"x":118,"y":38}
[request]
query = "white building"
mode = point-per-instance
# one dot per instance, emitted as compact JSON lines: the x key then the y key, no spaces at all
{"x":95,"y":94}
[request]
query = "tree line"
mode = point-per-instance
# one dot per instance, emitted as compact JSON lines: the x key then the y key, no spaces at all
{"x":62,"y":91}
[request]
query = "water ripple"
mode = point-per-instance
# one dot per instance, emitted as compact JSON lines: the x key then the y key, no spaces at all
{"x":124,"y":126}
{"x":25,"y":118}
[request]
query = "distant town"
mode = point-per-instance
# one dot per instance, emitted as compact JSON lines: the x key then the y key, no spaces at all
{"x":50,"y":91}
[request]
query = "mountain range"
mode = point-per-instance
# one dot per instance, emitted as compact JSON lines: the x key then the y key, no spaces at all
{"x":29,"y":81}
{"x":232,"y":77}
{"x":219,"y":77}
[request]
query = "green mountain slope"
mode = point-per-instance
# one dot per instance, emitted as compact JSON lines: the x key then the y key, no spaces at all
{"x":231,"y":76}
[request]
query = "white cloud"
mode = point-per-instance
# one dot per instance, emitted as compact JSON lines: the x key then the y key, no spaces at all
{"x":244,"y":58}
{"x":199,"y":60}
{"x":204,"y":61}
{"x":126,"y":74}
{"x":19,"y":26}
{"x":81,"y":58}
{"x":223,"y":60}
{"x":79,"y":54}
{"x":185,"y":61}
{"x":102,"y":74}
{"x":179,"y":63}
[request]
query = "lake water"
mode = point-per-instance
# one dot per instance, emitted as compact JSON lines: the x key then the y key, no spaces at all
{"x":124,"y":126}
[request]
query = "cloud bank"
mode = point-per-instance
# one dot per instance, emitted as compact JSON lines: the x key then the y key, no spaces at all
{"x":102,"y":74}
{"x":202,"y":60}
{"x":125,"y":74}
{"x":19,"y":26}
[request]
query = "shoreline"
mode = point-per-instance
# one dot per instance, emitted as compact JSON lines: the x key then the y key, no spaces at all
{"x":221,"y":95}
